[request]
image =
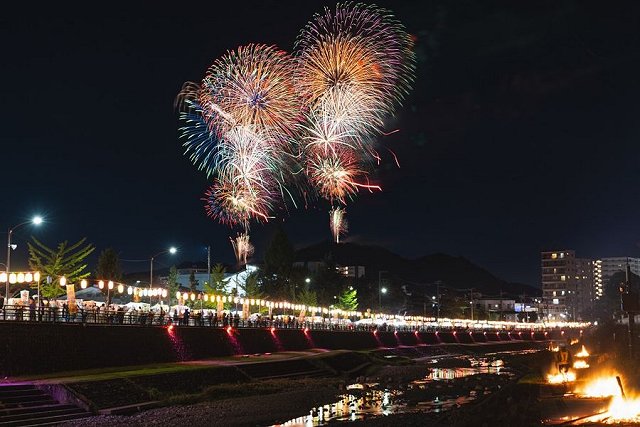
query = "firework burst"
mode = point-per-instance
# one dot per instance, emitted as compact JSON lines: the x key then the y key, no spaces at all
{"x":337,"y":223}
{"x":355,"y":45}
{"x":238,"y":128}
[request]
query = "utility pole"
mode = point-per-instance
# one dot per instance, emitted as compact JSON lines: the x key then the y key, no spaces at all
{"x":630,"y":314}
{"x":437,"y":300}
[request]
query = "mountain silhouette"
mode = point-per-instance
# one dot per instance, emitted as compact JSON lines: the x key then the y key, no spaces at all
{"x":416,"y":274}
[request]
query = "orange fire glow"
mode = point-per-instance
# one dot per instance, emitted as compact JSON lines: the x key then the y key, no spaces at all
{"x":621,"y":409}
{"x":582,"y":353}
{"x":580,"y":364}
{"x":562,"y":377}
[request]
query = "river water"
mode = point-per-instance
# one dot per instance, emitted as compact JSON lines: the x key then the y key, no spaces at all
{"x":441,"y":390}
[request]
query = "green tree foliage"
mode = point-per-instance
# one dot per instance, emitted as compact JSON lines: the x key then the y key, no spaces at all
{"x":278,"y":261}
{"x":65,"y":260}
{"x":193,"y":282}
{"x":216,"y":284}
{"x":348,"y":299}
{"x":307,"y":297}
{"x":109,"y":265}
{"x":172,"y":283}
{"x":252,"y":287}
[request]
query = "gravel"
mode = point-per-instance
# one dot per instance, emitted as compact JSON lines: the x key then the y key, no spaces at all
{"x":258,"y":410}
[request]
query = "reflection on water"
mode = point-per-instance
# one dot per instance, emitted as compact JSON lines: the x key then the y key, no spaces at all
{"x":371,"y":399}
{"x":350,"y":408}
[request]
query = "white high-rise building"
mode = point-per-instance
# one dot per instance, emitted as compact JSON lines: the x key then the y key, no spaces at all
{"x":604,"y":268}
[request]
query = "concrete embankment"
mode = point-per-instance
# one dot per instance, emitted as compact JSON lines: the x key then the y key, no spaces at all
{"x":34,"y":348}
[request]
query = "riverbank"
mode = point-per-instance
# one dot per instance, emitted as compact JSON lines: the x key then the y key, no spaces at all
{"x":272,"y":401}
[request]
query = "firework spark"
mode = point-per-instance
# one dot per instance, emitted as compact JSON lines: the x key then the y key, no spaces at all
{"x":242,"y":248}
{"x":337,"y":223}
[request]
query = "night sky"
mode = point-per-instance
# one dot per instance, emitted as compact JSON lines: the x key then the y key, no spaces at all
{"x":521,"y":132}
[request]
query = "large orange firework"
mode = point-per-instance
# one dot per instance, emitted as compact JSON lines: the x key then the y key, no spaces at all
{"x":252,"y":85}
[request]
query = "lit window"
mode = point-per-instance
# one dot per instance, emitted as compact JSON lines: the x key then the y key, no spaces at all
{"x":556,"y":301}
{"x":554,"y":256}
{"x":563,"y":277}
{"x":561,"y":254}
{"x":562,"y":292}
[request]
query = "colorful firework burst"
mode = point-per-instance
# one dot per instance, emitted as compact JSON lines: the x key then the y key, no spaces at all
{"x":238,"y":128}
{"x":357,"y":45}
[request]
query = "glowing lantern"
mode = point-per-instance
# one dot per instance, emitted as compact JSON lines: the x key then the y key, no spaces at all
{"x":101,"y":284}
{"x":20,"y":277}
{"x":120,"y":288}
{"x":185,"y":296}
{"x":36,"y":277}
{"x":129,"y":290}
{"x":3,"y":277}
{"x":193,"y":297}
{"x":28,"y":277}
{"x":13,"y":278}
{"x":178,"y":295}
{"x":164,"y":293}
{"x":83,"y":284}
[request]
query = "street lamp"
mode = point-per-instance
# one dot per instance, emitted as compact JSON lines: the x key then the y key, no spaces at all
{"x":380,"y":288}
{"x":172,"y":250}
{"x":36,"y":220}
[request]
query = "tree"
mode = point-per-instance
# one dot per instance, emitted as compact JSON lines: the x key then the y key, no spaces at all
{"x":216,"y":284}
{"x":109,"y":265}
{"x":193,"y":282}
{"x":172,"y":283}
{"x":307,"y":297}
{"x":278,"y":260}
{"x":348,"y":299}
{"x":65,"y":260}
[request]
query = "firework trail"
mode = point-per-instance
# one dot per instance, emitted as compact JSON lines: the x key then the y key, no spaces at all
{"x":337,"y":223}
{"x":242,"y":248}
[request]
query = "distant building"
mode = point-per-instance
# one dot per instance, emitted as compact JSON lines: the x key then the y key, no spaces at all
{"x":501,"y":309}
{"x":605,"y":268}
{"x":232,"y":280}
{"x":354,"y":271}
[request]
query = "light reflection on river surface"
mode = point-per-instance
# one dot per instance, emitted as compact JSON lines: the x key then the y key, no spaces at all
{"x":363,"y":401}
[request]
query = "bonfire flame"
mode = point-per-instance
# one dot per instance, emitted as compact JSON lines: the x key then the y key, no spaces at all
{"x":562,"y":377}
{"x":622,"y":407}
{"x":580,"y":364}
{"x":583,"y":353}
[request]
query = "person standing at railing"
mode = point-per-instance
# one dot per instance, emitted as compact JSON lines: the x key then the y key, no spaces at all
{"x":32,"y":310}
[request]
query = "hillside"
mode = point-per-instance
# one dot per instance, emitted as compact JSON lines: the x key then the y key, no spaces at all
{"x":417,"y":274}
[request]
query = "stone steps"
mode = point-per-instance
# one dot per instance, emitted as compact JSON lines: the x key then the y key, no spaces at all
{"x":25,"y":405}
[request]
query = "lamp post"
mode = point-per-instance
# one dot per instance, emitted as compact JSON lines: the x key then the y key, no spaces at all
{"x":172,"y":250}
{"x":36,"y":220}
{"x":380,"y":289}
